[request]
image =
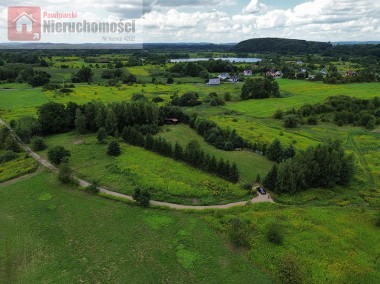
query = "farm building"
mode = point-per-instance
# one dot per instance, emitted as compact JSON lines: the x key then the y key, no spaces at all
{"x":224,"y":76}
{"x":214,"y":82}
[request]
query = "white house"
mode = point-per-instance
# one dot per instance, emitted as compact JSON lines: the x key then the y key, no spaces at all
{"x":323,"y":72}
{"x":224,"y":76}
{"x":24,"y":20}
{"x":247,"y":73}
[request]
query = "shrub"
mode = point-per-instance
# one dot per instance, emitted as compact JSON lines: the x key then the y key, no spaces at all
{"x":312,"y":120}
{"x":227,"y":97}
{"x":94,"y":187}
{"x":238,"y":233}
{"x":66,"y":175}
{"x":38,"y":144}
{"x":101,"y":135}
{"x":12,"y":145}
{"x":278,"y":114}
{"x":247,"y":187}
{"x":7,"y":156}
{"x":142,"y":198}
{"x":274,"y":234}
{"x":114,"y":149}
{"x":290,"y":270}
{"x":291,"y":121}
{"x":58,"y":154}
{"x":13,"y":123}
{"x":157,"y":100}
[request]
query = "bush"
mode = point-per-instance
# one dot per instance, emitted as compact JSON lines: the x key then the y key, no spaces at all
{"x":58,"y":154}
{"x":290,"y":270}
{"x":66,"y":175}
{"x":94,"y":187}
{"x":114,"y":149}
{"x":248,"y":187}
{"x":278,"y":114}
{"x":38,"y":144}
{"x":8,"y":156}
{"x":101,"y":135}
{"x":238,"y":233}
{"x":312,"y":120}
{"x":157,"y":100}
{"x":142,"y":198}
{"x":274,"y":234}
{"x":12,"y":145}
{"x":291,"y":121}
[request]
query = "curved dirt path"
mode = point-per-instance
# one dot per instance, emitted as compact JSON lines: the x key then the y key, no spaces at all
{"x":84,"y":183}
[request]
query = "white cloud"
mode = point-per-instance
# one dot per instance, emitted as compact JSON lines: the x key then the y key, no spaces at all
{"x":255,"y":7}
{"x":216,"y":21}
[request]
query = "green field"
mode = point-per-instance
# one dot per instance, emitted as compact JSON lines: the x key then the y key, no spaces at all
{"x":167,"y":179}
{"x":19,"y":101}
{"x":298,"y":93}
{"x":249,"y":163}
{"x":52,"y":234}
{"x":331,"y":244}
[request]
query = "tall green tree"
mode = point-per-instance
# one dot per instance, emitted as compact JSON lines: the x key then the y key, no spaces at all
{"x":114,"y":149}
{"x":80,"y":122}
{"x":101,"y":135}
{"x":275,"y":151}
{"x":270,"y":181}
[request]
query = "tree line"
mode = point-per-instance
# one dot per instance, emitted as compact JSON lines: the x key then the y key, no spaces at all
{"x":341,"y":109}
{"x":224,"y":139}
{"x":54,"y":118}
{"x":326,"y":166}
{"x":192,"y":154}
{"x":201,"y":68}
{"x":21,"y":73}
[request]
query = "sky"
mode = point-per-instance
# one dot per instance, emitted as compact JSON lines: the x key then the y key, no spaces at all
{"x":229,"y":21}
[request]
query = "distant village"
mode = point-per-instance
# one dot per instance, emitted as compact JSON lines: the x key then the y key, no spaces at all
{"x":300,"y":73}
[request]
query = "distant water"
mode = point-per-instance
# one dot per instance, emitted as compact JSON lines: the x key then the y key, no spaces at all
{"x":231,"y":59}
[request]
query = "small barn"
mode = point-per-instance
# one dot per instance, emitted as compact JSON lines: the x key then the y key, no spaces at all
{"x":214,"y":82}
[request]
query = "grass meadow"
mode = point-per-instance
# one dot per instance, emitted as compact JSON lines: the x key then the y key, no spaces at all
{"x":330,"y":244}
{"x":53,"y":234}
{"x":167,"y":179}
{"x":249,"y":164}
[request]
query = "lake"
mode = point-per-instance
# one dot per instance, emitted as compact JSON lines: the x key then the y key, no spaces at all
{"x":231,"y":59}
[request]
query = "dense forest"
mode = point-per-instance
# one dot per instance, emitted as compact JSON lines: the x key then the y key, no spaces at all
{"x":293,"y":46}
{"x":283,"y":46}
